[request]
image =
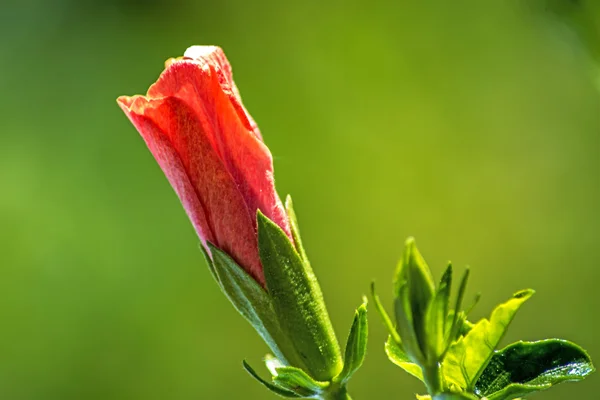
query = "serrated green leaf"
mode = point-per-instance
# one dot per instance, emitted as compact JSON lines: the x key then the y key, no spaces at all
{"x":299,"y":382}
{"x":298,"y":302}
{"x":525,"y":367}
{"x":387,"y":321}
{"x":253,"y":302}
{"x":467,"y":358}
{"x":273,"y":388}
{"x":437,"y":313}
{"x":397,"y":355}
{"x":356,"y":345}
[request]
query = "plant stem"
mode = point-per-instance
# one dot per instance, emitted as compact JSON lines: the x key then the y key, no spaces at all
{"x":433,"y":379}
{"x":337,"y":393}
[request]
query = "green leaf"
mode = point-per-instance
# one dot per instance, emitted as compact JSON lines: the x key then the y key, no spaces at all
{"x":397,"y":355}
{"x":461,"y":327}
{"x":298,"y":302}
{"x":299,"y":382}
{"x":467,"y":358}
{"x":273,"y":388}
{"x":252,"y":301}
{"x":387,"y":321}
{"x":525,"y":367}
{"x":516,"y":392}
{"x":356,"y":345}
{"x":437,"y":313}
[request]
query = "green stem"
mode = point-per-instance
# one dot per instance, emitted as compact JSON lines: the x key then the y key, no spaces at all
{"x":432,"y":375}
{"x":337,"y":393}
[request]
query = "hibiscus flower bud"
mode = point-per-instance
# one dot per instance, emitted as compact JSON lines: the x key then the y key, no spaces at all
{"x":211,"y":151}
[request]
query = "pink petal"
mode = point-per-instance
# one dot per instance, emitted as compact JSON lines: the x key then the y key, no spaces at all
{"x":213,"y":55}
{"x":210,"y":196}
{"x":200,"y":85}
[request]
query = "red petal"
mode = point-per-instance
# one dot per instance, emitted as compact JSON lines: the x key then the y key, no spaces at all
{"x":206,"y":189}
{"x":200,"y":85}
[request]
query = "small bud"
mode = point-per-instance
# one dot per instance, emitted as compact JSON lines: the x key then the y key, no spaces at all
{"x":414,"y":290}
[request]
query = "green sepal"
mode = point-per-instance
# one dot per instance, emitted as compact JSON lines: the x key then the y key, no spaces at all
{"x":526,"y":367}
{"x":387,"y":321}
{"x":299,"y":382}
{"x":393,"y":345}
{"x":399,"y":357}
{"x":252,"y":301}
{"x":298,"y":302}
{"x":356,"y":345}
{"x":467,"y":358}
{"x":272,"y":363}
{"x":211,"y":267}
{"x":454,"y":331}
{"x":273,"y":388}
{"x":436,"y":317}
{"x":289,"y":208}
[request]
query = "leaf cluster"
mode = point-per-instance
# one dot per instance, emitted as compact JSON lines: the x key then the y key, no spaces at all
{"x":455,"y":358}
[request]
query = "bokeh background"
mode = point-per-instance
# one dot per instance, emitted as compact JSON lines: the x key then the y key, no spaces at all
{"x":472,"y":125}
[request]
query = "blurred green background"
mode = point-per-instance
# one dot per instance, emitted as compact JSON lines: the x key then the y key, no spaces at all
{"x":472,"y":125}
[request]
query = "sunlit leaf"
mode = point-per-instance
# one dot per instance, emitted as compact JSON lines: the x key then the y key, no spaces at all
{"x":397,"y":355}
{"x":467,"y":358}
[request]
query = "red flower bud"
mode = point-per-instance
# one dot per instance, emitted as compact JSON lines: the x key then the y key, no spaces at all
{"x":211,"y":151}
